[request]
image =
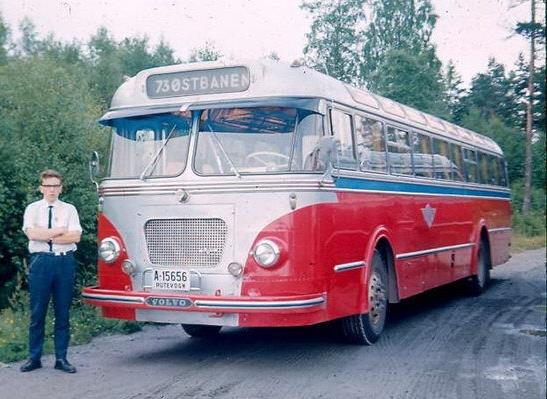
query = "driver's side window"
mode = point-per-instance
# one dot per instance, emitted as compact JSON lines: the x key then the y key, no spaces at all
{"x":341,"y":127}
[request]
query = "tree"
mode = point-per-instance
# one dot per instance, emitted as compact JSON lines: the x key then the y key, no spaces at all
{"x":4,"y":38}
{"x":335,"y":41}
{"x":208,"y":52}
{"x":48,"y":121}
{"x":29,"y":42}
{"x":163,"y":54}
{"x":509,"y":139}
{"x":454,"y":92}
{"x":408,"y":78}
{"x":532,"y":31}
{"x":109,"y":61}
{"x":384,"y":45}
{"x":492,"y":94}
{"x":104,"y":66}
{"x":397,"y":25}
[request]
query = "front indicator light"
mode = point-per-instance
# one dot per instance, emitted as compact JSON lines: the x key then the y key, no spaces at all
{"x":266,"y":253}
{"x":235,"y":269}
{"x":129,"y":267}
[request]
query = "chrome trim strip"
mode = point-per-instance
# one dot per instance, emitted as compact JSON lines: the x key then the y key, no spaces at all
{"x":278,"y":190}
{"x":260,"y":304}
{"x":113,"y":298}
{"x":432,"y":251}
{"x":349,"y":266}
{"x":500,"y":229}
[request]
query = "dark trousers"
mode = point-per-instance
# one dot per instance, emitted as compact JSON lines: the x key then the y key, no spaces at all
{"x":50,"y":276}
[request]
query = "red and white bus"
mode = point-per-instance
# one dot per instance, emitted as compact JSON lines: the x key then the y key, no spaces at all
{"x":258,"y":194}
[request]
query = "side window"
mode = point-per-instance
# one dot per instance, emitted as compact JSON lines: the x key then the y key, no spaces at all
{"x":457,"y":162}
{"x":501,"y":168}
{"x":341,"y":125}
{"x":470,"y":165}
{"x":370,"y":144}
{"x":483,"y":169}
{"x":398,"y":151}
{"x":441,"y":159}
{"x":422,"y":156}
{"x":493,"y":170}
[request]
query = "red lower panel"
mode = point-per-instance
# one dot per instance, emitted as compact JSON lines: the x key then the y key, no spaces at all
{"x":118,"y":313}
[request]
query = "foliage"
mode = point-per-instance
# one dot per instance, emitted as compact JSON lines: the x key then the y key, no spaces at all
{"x":412,"y":80}
{"x":208,"y":52}
{"x":50,"y":120}
{"x":453,"y":91}
{"x":520,"y":243}
{"x":334,"y":42}
{"x":510,"y":139}
{"x":109,"y":61}
{"x":52,"y":95}
{"x":4,"y":36}
{"x":398,"y":25}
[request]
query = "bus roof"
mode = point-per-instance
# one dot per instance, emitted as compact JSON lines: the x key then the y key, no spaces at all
{"x":182,"y":85}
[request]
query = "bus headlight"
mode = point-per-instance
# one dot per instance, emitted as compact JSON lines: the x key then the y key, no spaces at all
{"x":109,"y":249}
{"x":266,"y":253}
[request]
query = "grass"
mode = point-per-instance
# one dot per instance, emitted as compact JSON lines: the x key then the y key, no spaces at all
{"x":85,"y":323}
{"x":521,"y":243}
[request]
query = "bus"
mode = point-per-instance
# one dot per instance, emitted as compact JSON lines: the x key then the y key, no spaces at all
{"x":262,"y":194}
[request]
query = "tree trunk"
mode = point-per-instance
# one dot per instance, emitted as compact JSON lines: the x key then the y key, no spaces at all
{"x":529,"y":122}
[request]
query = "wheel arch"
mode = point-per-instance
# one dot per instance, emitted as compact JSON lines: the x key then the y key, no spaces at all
{"x":383,"y":244}
{"x":482,"y":236}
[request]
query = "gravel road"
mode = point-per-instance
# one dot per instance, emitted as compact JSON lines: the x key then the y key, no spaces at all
{"x":442,"y":344}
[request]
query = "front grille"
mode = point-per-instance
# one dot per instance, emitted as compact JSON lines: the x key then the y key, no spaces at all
{"x":185,"y":242}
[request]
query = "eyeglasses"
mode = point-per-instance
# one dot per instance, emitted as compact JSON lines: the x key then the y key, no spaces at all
{"x":51,"y":185}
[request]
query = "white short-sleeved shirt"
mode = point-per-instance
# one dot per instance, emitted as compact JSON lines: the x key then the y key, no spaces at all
{"x":63,"y":215}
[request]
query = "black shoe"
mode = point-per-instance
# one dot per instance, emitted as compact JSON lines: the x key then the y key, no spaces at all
{"x":31,"y":365}
{"x":64,"y":365}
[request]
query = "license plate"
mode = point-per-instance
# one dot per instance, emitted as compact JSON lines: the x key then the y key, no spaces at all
{"x":171,"y":279}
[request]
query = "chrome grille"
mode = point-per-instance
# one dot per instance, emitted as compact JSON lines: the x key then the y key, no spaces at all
{"x":185,"y":242}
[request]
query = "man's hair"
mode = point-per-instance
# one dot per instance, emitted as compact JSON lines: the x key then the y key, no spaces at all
{"x":46,"y":174}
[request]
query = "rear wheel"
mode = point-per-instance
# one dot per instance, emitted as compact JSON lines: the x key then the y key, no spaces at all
{"x":478,"y":282}
{"x":202,"y":331}
{"x":366,"y":328}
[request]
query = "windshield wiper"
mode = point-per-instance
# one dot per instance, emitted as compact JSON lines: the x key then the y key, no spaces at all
{"x":232,"y":166}
{"x":156,"y":157}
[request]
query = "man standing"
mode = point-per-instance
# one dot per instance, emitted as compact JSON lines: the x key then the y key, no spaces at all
{"x":53,"y":229}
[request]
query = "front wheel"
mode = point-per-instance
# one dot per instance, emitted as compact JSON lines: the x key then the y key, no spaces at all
{"x":201,"y":331}
{"x":478,"y":282}
{"x":366,"y":328}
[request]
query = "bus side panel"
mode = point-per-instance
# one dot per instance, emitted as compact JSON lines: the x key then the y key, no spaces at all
{"x":498,"y":219}
{"x":321,"y":237}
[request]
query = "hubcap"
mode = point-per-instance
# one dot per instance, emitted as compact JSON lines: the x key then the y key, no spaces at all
{"x":481,"y":273}
{"x":377,"y":300}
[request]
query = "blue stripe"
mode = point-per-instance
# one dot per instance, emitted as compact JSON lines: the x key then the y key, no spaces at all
{"x":404,"y":187}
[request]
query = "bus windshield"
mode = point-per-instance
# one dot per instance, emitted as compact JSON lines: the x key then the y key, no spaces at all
{"x":234,"y":141}
{"x":150,"y":146}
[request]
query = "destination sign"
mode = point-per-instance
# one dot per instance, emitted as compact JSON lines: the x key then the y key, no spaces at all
{"x":190,"y":83}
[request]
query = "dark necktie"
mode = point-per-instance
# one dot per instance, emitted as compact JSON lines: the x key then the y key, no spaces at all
{"x":49,"y":219}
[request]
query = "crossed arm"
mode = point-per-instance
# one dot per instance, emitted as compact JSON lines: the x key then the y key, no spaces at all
{"x":57,"y":235}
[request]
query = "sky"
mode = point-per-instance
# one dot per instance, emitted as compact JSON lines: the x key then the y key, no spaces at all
{"x":468,"y":32}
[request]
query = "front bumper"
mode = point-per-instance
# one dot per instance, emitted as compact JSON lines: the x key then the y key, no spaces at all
{"x":204,"y":303}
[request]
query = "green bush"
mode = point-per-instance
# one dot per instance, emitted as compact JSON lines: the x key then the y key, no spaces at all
{"x":529,"y":225}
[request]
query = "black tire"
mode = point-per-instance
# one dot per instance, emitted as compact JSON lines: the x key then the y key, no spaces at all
{"x":366,"y":328}
{"x":478,"y":283}
{"x":200,"y":331}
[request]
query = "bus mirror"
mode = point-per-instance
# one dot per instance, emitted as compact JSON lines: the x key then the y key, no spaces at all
{"x":94,"y":168}
{"x":325,"y":154}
